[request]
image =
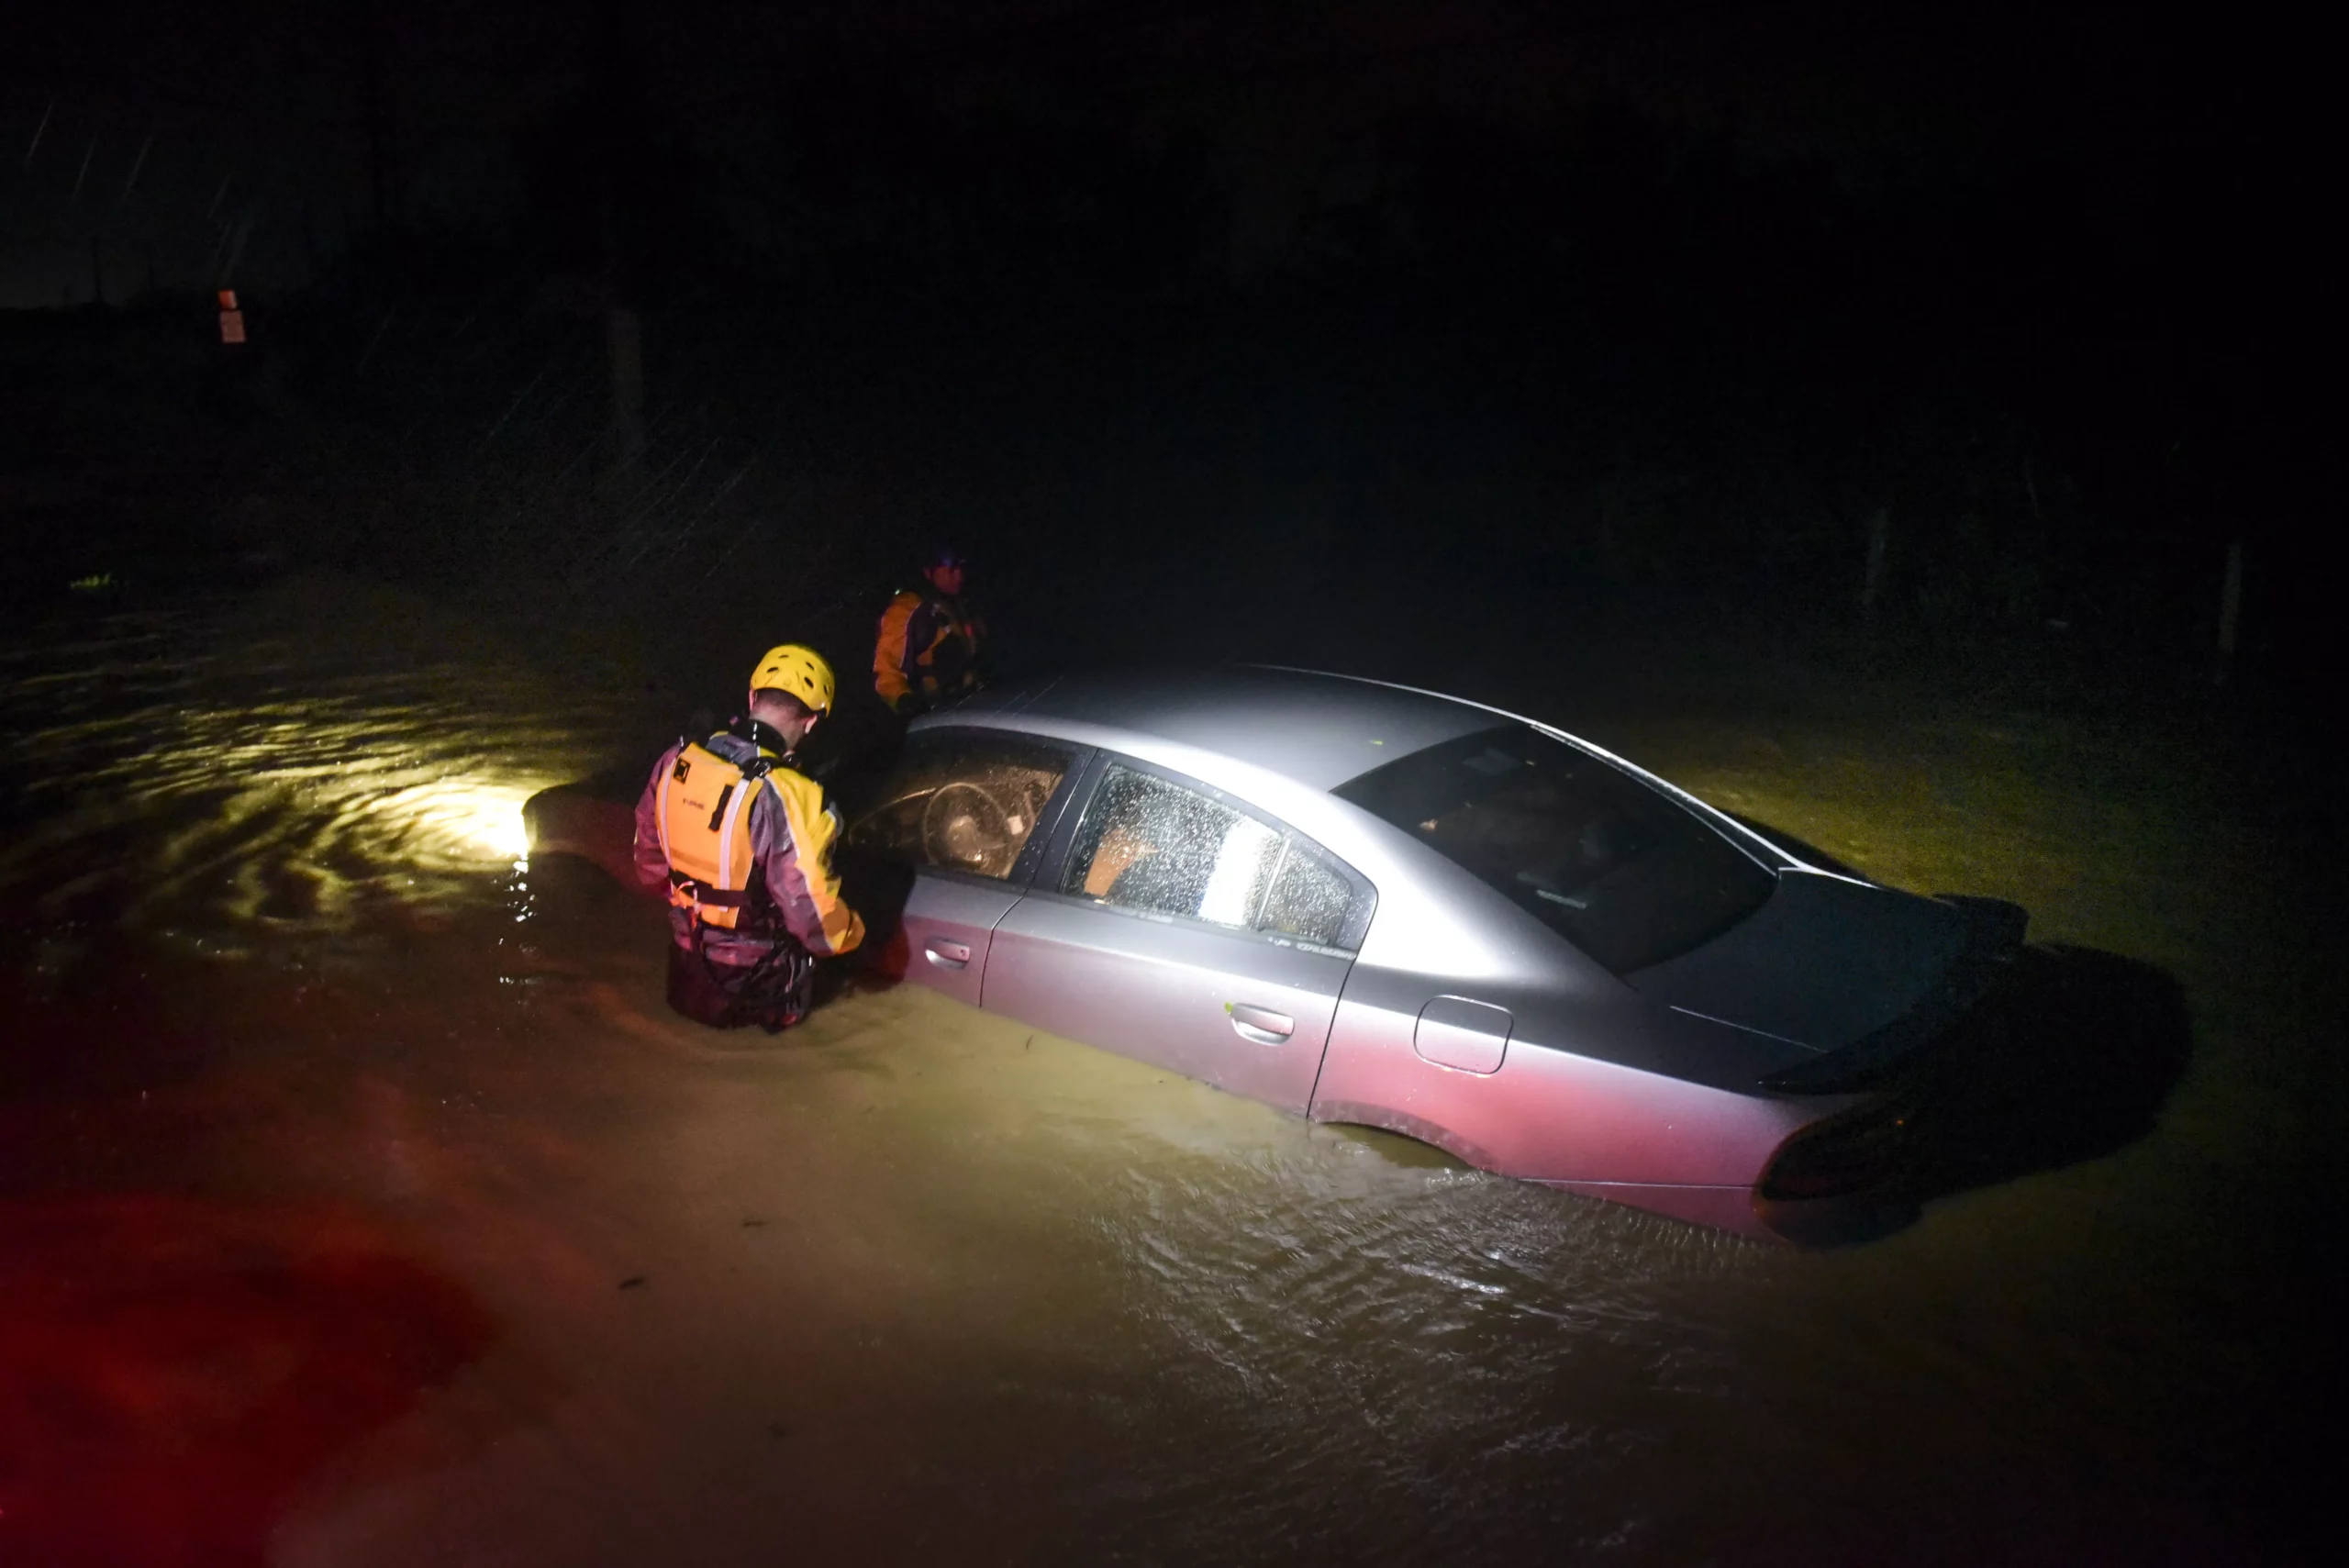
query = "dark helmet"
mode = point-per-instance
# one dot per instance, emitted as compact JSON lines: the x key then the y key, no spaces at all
{"x":940,"y":553}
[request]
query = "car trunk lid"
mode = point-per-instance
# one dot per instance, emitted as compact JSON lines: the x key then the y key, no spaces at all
{"x":1826,"y":963}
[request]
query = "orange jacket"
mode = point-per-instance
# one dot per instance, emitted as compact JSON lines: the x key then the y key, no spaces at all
{"x":929,"y":648}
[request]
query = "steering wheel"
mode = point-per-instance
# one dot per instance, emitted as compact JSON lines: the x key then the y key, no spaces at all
{"x":963,"y":826}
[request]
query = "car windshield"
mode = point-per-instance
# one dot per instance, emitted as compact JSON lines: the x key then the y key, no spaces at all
{"x":1617,"y":868}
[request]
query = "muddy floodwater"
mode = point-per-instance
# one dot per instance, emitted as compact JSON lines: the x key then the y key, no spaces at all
{"x":362,"y":1204}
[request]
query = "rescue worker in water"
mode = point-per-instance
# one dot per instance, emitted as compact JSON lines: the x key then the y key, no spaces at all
{"x":930,"y":643}
{"x":742,"y":845}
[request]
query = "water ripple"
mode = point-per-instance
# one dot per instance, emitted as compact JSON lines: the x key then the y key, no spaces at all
{"x":166,"y":774}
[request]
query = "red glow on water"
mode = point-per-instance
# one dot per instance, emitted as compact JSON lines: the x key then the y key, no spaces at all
{"x":174,"y":1372}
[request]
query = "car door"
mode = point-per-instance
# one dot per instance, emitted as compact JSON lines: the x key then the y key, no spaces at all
{"x":970,"y":811}
{"x":1173,"y":923}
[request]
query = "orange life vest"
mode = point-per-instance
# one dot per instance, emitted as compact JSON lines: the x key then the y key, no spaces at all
{"x":940,"y":665}
{"x":705,"y":813}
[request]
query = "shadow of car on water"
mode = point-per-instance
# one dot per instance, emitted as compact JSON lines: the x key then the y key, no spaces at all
{"x":2071,"y":1061}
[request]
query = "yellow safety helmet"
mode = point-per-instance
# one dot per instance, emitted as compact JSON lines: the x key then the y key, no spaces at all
{"x":799,"y":670}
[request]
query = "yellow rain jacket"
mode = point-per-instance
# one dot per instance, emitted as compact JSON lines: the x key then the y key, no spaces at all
{"x":742,"y":845}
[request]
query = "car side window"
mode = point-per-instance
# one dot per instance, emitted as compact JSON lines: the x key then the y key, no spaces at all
{"x":1150,"y":844}
{"x":962,"y":803}
{"x":1308,"y":897}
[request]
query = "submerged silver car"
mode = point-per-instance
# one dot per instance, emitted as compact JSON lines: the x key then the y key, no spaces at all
{"x":1374,"y":905}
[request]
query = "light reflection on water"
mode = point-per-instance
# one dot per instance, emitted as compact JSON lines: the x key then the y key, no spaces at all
{"x":249,"y":788}
{"x":920,"y":1283}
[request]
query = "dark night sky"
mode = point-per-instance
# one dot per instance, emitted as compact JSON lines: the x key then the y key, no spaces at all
{"x":2107,"y":217}
{"x":1767,"y":267}
{"x":184,"y":136}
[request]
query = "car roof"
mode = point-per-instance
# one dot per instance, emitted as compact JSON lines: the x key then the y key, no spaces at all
{"x":1318,"y":730}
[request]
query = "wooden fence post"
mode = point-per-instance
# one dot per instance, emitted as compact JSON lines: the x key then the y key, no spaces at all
{"x":1879,"y":544}
{"x":2230,"y":609}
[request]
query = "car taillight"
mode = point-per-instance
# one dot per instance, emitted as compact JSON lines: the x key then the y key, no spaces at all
{"x":1859,"y":1153}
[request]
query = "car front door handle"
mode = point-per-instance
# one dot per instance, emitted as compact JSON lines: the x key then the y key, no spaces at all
{"x":946,"y":954}
{"x":1260,"y":1024}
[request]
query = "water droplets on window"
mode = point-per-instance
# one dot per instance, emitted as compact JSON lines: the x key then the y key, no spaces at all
{"x":1148,"y":844}
{"x":1308,"y":899}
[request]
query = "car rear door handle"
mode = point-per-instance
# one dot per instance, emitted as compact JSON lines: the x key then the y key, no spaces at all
{"x":1260,"y":1024}
{"x":946,"y":954}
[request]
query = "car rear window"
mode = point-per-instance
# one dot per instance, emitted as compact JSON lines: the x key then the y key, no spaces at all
{"x":1617,"y":867}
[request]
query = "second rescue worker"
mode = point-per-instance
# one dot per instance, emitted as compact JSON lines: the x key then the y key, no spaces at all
{"x":930,"y":644}
{"x":742,"y":844}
